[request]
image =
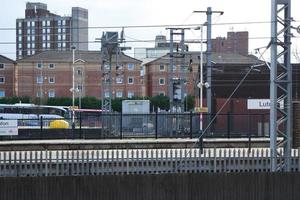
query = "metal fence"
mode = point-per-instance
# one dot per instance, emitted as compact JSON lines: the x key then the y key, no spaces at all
{"x":137,"y":161}
{"x":154,"y":125}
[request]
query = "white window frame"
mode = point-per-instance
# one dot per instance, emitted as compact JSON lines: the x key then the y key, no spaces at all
{"x":51,"y":65}
{"x":130,"y":94}
{"x":2,"y":92}
{"x":119,"y":94}
{"x":39,"y":79}
{"x":130,"y":66}
{"x":51,"y":79}
{"x":39,"y":65}
{"x":119,"y":80}
{"x":51,"y":93}
{"x":163,"y":79}
{"x":162,"y":65}
{"x":2,"y":79}
{"x":2,"y":66}
{"x":130,"y":77}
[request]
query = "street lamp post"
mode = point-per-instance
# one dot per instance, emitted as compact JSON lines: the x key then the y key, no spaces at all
{"x":73,"y":86}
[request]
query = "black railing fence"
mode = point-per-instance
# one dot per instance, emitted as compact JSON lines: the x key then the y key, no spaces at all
{"x":154,"y":125}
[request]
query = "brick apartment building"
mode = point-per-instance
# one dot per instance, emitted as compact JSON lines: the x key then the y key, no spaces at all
{"x":236,"y":42}
{"x":42,"y":30}
{"x":49,"y":74}
{"x":7,"y":76}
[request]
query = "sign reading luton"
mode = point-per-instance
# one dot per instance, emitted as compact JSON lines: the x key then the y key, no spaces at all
{"x":261,"y":104}
{"x":8,"y":127}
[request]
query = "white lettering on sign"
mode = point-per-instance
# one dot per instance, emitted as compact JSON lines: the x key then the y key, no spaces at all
{"x":261,"y":104}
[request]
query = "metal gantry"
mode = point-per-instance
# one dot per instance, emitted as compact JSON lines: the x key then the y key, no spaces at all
{"x":109,"y":48}
{"x":177,"y":81}
{"x":281,"y":86}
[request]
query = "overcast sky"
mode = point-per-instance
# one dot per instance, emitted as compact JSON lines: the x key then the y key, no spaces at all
{"x":155,"y":12}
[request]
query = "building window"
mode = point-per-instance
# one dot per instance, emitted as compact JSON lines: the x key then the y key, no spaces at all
{"x":2,"y":93}
{"x":79,"y":72}
{"x":20,"y":31}
{"x":20,"y":24}
{"x":48,"y":45}
{"x":119,"y":94}
{"x":28,"y":24}
{"x":44,"y":45}
{"x":119,"y":80}
{"x":106,"y":94}
{"x":44,"y":30}
{"x":33,"y":31}
{"x":59,"y":23}
{"x":44,"y":37}
{"x":48,"y":37}
{"x":28,"y":52}
{"x":2,"y":79}
{"x":20,"y":38}
{"x":130,"y":66}
{"x":39,"y":65}
{"x":1,"y":65}
{"x":59,"y":37}
{"x":63,"y":30}
{"x":51,"y":65}
{"x":63,"y":22}
{"x":64,"y":37}
{"x":28,"y":38}
{"x":32,"y":38}
{"x":59,"y":30}
{"x":33,"y":52}
{"x":48,"y":23}
{"x":33,"y":23}
{"x":20,"y":53}
{"x":64,"y":44}
{"x":130,"y":94}
{"x":161,"y":93}
{"x":161,"y":81}
{"x":48,"y":30}
{"x":28,"y":31}
{"x":59,"y":45}
{"x":44,"y":23}
{"x":174,"y":67}
{"x":28,"y":45}
{"x":20,"y":45}
{"x":130,"y":80}
{"x":161,"y":67}
{"x":39,"y":79}
{"x":51,"y":79}
{"x":79,"y":87}
{"x":51,"y":93}
{"x":32,"y":45}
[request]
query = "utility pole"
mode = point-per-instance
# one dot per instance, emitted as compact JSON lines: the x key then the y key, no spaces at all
{"x":209,"y":13}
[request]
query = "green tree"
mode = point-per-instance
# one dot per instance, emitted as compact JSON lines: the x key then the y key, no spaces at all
{"x":189,"y":103}
{"x":160,"y":101}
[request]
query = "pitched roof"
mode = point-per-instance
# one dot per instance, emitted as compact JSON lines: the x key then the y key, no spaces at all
{"x":217,"y":58}
{"x":4,"y":59}
{"x":67,"y":56}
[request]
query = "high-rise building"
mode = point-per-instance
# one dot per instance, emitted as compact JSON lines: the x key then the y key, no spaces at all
{"x":42,"y":30}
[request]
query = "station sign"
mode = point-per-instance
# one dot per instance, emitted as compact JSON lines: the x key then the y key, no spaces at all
{"x":261,"y":104}
{"x":201,"y":109}
{"x":8,"y":127}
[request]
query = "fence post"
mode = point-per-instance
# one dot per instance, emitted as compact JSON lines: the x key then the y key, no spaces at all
{"x":228,"y":124}
{"x":121,"y":125}
{"x":156,"y":120}
{"x":80,"y":124}
{"x":191,"y":125}
{"x":41,"y":127}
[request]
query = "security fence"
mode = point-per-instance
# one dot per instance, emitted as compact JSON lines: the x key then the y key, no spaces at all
{"x":137,"y":161}
{"x":154,"y":125}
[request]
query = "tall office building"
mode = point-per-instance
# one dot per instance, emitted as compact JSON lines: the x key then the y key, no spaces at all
{"x":42,"y":30}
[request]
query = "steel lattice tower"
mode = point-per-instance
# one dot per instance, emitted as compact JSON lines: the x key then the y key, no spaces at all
{"x":281,"y":86}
